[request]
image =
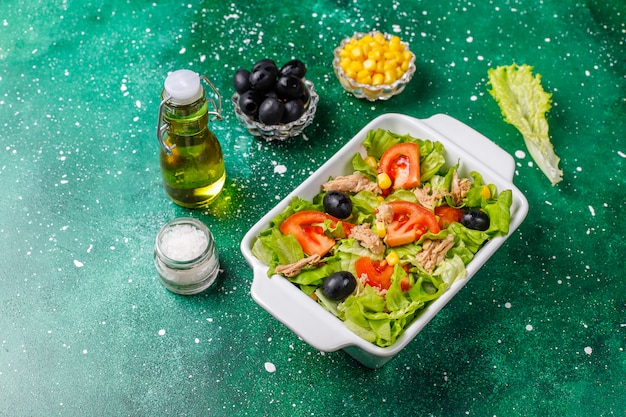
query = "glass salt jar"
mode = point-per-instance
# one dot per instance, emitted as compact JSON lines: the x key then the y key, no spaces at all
{"x":185,"y":256}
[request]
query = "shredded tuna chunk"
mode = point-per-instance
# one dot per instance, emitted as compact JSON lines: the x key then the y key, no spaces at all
{"x":459,"y":188}
{"x":427,"y":197}
{"x":352,"y":183}
{"x":367,"y":238}
{"x":384,"y":213}
{"x":294,"y":269}
{"x":434,"y":251}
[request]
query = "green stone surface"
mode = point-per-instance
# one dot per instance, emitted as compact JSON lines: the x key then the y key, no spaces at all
{"x":86,"y":329}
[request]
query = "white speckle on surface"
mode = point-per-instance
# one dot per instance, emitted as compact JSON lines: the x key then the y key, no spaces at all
{"x":507,"y":305}
{"x":588,"y":350}
{"x":529,"y":327}
{"x":196,"y":340}
{"x":622,"y":154}
{"x":78,"y":263}
{"x":138,"y":104}
{"x":182,"y":50}
{"x":162,"y":332}
{"x":520,"y":154}
{"x":473,"y":98}
{"x":280,"y":169}
{"x":469,"y":39}
{"x":84,"y":351}
{"x":548,"y":203}
{"x":592,"y":211}
{"x":89,"y":248}
{"x":270,"y":367}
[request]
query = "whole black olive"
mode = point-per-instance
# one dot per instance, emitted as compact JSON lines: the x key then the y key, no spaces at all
{"x":337,"y":204}
{"x":294,"y":109}
{"x":271,"y":111}
{"x":262,"y":80}
{"x":339,"y":285}
{"x":267,"y":65}
{"x":476,"y":220}
{"x":241,"y":81}
{"x":289,"y":87}
{"x":294,"y":67}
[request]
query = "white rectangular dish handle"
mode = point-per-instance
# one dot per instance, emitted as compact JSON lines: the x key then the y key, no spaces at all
{"x":474,"y":144}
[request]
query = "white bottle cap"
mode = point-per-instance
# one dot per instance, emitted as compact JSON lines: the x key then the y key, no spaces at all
{"x":183,"y":87}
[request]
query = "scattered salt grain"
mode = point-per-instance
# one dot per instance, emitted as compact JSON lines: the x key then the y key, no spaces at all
{"x":270,"y":367}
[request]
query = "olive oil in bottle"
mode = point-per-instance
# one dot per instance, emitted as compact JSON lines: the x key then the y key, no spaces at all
{"x":192,"y":163}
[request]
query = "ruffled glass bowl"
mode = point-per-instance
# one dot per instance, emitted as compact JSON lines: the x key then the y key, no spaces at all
{"x":280,"y":131}
{"x":368,"y":91}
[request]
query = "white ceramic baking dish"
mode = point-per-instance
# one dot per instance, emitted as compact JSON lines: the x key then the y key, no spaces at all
{"x":309,"y":320}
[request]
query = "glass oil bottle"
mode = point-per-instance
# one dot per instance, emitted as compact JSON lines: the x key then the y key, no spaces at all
{"x":191,"y":158}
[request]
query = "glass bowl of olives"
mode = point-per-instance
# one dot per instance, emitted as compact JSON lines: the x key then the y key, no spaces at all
{"x":274,"y":103}
{"x":373,"y":66}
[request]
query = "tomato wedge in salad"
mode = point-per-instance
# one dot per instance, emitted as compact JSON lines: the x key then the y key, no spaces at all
{"x":448,"y":215}
{"x":410,"y":222}
{"x":306,"y":227}
{"x":402,"y":163}
{"x":379,"y":273}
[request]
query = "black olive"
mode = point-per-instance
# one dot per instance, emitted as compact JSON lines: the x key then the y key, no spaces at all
{"x":249,"y":103}
{"x":295,"y":67}
{"x":271,"y":111}
{"x":339,"y":285}
{"x":267,"y":65}
{"x":337,"y":204}
{"x":476,"y":220}
{"x":294,"y":109}
{"x":289,"y":87}
{"x":262,"y":80}
{"x":241,"y":81}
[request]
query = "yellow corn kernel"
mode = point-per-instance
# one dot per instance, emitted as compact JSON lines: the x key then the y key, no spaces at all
{"x":366,"y":79}
{"x":381,"y":229}
{"x":378,"y":79}
{"x":356,"y":66}
{"x":392,"y":258}
{"x":380,"y":198}
{"x":350,"y":73}
{"x":390,"y":77}
{"x":384,"y":181}
{"x":356,"y":53}
{"x":375,"y":54}
{"x":371,"y":161}
{"x":369,"y":65}
{"x":486,"y":192}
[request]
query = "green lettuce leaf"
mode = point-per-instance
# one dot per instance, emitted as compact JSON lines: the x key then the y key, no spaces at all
{"x":524,"y":104}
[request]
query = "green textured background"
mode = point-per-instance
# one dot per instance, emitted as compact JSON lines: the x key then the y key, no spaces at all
{"x":87,"y":329}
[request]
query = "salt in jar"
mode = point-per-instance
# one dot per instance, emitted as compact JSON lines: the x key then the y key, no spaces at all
{"x":185,"y":256}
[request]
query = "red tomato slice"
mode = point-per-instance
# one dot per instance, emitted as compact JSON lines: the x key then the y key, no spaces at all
{"x":378,"y":273}
{"x":402,"y":163}
{"x":448,"y":215}
{"x":410,"y":221}
{"x":304,"y":225}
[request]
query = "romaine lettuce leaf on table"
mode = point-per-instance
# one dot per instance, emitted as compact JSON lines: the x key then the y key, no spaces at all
{"x":524,"y":104}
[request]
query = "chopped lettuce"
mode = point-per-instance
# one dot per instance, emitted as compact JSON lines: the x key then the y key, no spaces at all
{"x":524,"y":104}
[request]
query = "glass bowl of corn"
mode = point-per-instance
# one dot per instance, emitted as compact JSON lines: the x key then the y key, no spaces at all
{"x":373,"y":66}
